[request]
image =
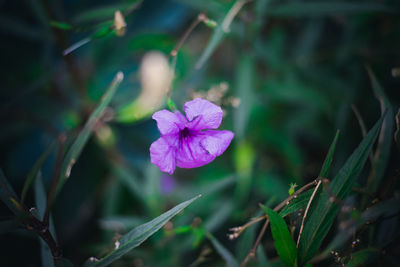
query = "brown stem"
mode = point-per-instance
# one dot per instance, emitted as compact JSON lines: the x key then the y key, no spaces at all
{"x":43,"y":230}
{"x":306,"y":211}
{"x":201,"y":17}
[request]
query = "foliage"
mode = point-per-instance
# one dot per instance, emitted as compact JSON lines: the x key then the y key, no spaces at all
{"x":75,"y":109}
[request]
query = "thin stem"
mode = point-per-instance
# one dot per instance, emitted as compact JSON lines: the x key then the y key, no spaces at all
{"x":232,"y":14}
{"x":174,"y":52}
{"x":252,"y":252}
{"x":43,"y":230}
{"x":201,"y":17}
{"x":306,"y":211}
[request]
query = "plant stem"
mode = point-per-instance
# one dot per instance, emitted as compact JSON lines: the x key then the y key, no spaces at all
{"x":252,"y":252}
{"x":306,"y":211}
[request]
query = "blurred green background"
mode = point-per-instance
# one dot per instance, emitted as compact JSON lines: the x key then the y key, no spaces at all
{"x":286,"y":74}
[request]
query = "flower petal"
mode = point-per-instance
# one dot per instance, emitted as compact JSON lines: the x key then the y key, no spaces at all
{"x":203,"y":114}
{"x":168,"y":122}
{"x":191,"y":154}
{"x":162,"y":153}
{"x":216,"y":142}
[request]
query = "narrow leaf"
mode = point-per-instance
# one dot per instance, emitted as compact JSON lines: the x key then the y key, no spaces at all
{"x":34,"y":171}
{"x":324,"y":213}
{"x":329,"y":157}
{"x":105,"y":12}
{"x":284,"y":243}
{"x":76,"y":148}
{"x":61,"y":25}
{"x":8,"y":196}
{"x":138,"y":235}
{"x":381,"y":157}
{"x":225,"y":254}
{"x":220,"y":32}
{"x":40,"y":200}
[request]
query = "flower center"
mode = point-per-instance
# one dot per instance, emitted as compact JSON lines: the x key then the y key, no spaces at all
{"x":185,"y":133}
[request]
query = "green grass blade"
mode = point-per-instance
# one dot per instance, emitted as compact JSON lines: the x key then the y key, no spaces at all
{"x":225,"y":253}
{"x":138,"y":235}
{"x":381,"y":157}
{"x":105,"y":12}
{"x":326,"y":167}
{"x":76,"y":148}
{"x":324,"y":212}
{"x":8,"y":196}
{"x":283,"y":241}
{"x":245,"y":84}
{"x":34,"y":171}
{"x":40,"y":200}
{"x":220,"y":33}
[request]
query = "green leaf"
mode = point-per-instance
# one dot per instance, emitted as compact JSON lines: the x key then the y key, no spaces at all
{"x":8,"y":196}
{"x":381,"y":157}
{"x":324,"y":212}
{"x":61,"y":25}
{"x":320,"y":8}
{"x":138,"y":235}
{"x":34,"y":171}
{"x":297,"y":203}
{"x":76,"y":148}
{"x":329,"y":158}
{"x":103,"y":31}
{"x":105,"y":12}
{"x":225,"y":254}
{"x":284,"y":243}
{"x":40,"y":200}
{"x":219,"y":33}
{"x":245,"y":84}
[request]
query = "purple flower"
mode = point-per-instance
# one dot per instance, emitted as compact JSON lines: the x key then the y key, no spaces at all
{"x":185,"y":141}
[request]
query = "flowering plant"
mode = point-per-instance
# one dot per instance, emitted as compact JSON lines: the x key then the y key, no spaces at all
{"x":187,"y":142}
